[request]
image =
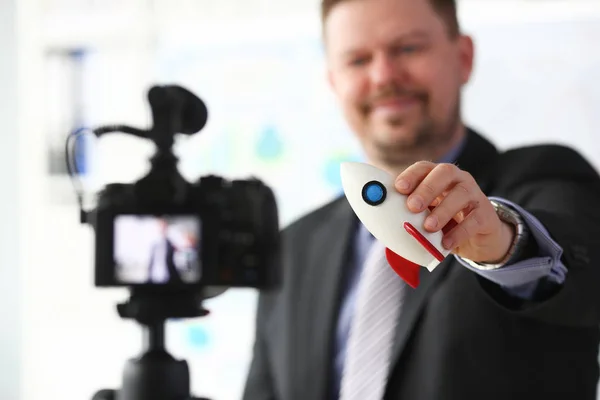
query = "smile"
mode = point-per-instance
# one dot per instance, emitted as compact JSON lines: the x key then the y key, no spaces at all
{"x":395,"y":105}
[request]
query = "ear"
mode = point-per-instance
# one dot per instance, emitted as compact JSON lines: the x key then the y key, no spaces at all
{"x":466,"y":49}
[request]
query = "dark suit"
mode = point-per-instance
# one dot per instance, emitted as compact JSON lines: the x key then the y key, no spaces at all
{"x":459,"y":336}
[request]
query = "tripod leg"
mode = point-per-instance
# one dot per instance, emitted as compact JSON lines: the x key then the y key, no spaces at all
{"x":105,"y":394}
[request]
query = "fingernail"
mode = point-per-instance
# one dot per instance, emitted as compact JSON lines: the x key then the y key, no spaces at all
{"x":402,"y":184}
{"x":431,"y":222}
{"x":447,"y":243}
{"x":415,"y":202}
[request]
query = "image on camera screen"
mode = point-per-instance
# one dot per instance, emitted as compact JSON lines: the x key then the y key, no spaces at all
{"x":157,"y":250}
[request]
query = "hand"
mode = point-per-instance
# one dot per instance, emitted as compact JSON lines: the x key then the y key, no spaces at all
{"x":470,"y":225}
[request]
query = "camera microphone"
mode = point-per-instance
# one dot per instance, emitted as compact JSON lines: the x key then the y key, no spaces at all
{"x":192,"y":111}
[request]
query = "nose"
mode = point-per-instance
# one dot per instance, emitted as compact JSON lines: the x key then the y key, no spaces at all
{"x":382,"y":70}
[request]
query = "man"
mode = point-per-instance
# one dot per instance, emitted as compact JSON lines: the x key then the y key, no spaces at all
{"x":512,"y":314}
{"x":162,"y":267}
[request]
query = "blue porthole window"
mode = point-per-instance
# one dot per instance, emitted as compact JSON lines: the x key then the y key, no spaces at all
{"x":373,"y":193}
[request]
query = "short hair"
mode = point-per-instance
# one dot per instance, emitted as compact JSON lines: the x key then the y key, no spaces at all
{"x":445,"y":8}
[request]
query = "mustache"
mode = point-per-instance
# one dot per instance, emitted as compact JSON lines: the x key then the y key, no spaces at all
{"x":391,"y":92}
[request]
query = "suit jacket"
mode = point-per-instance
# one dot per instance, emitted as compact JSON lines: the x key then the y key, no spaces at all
{"x":169,"y":261}
{"x":460,"y":336}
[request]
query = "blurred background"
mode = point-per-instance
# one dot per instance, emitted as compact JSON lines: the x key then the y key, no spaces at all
{"x":258,"y":66}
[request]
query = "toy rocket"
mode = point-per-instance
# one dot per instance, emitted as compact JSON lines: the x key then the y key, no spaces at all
{"x":383,"y":211}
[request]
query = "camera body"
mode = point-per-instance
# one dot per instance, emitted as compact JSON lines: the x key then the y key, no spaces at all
{"x":222,"y":233}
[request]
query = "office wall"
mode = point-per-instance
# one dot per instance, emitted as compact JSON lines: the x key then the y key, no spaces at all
{"x":263,"y":82}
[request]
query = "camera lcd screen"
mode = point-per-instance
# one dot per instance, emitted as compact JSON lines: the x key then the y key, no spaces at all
{"x":157,"y":250}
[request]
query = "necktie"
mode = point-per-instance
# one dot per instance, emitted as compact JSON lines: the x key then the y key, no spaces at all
{"x":370,"y":341}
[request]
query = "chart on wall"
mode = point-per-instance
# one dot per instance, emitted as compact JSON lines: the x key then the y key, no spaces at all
{"x":270,"y":115}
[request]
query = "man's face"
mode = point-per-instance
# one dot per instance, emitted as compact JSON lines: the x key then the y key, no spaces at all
{"x":397,"y":74}
{"x":163,"y":227}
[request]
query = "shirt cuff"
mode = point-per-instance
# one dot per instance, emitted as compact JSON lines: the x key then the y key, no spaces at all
{"x":521,"y":278}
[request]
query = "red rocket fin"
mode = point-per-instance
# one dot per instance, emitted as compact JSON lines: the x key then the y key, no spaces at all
{"x":407,"y":270}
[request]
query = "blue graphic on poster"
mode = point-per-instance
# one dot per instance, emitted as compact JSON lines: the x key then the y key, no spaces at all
{"x":269,"y":146}
{"x":198,"y":336}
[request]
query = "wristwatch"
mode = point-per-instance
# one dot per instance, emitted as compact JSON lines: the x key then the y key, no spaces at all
{"x":511,"y":217}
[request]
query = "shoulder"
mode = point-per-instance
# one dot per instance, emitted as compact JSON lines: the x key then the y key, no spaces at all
{"x":545,"y":161}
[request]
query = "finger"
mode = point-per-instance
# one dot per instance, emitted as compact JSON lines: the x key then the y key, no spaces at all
{"x":472,"y":225}
{"x":450,"y":225}
{"x":462,"y":196}
{"x":436,"y":202}
{"x":441,"y":178}
{"x":412,"y":176}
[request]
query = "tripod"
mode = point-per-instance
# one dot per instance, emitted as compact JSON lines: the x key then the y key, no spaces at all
{"x":156,"y":374}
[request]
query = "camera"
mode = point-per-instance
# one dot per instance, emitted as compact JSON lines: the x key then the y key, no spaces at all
{"x":223,"y":234}
{"x":175,"y":243}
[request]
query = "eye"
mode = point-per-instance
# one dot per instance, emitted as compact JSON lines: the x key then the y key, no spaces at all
{"x":373,"y":193}
{"x":409,"y":49}
{"x":357,"y":62}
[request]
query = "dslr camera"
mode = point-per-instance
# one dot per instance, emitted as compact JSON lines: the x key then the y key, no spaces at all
{"x":175,"y":243}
